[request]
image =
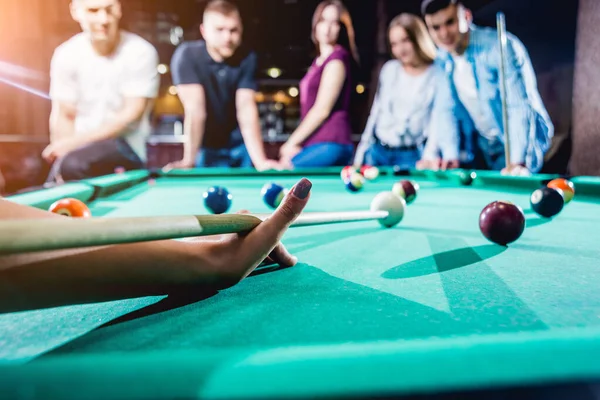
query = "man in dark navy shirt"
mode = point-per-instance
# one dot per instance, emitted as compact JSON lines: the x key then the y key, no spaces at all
{"x":216,"y":83}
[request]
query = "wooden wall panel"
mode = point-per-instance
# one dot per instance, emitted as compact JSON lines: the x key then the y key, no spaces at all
{"x":586,"y":94}
{"x":30,"y":31}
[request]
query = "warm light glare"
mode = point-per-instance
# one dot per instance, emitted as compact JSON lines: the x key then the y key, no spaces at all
{"x":360,"y":89}
{"x":293,"y":91}
{"x":259,"y":97}
{"x":162,"y":69}
{"x":280,"y":97}
{"x":274,"y":73}
{"x":26,"y":88}
{"x":173,"y":90}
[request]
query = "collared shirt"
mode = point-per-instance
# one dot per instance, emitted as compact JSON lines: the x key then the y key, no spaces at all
{"x":530,"y":127}
{"x":192,"y":64}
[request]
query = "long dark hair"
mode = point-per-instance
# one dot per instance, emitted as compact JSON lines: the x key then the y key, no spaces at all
{"x":346,"y":36}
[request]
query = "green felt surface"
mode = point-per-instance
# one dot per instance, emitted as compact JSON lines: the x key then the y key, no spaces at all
{"x":430,"y":292}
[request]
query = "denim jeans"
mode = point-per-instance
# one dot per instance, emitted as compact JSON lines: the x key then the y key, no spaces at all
{"x":324,"y":155}
{"x":379,"y":156}
{"x":234,"y":157}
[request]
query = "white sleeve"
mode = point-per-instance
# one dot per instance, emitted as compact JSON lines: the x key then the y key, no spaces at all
{"x":63,"y":77}
{"x":142,"y":78}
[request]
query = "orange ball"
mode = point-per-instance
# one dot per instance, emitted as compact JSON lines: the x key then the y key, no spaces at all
{"x":70,"y":208}
{"x":565,"y":186}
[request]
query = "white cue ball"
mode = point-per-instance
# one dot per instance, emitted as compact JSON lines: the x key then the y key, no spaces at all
{"x":393,"y":204}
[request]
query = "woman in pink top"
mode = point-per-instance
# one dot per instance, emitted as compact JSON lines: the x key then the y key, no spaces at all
{"x":324,"y":137}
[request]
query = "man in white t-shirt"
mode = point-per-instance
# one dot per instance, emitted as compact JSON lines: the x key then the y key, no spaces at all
{"x":103,"y":83}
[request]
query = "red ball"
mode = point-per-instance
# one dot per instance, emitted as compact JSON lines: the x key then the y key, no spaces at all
{"x":502,"y":222}
{"x":70,"y":208}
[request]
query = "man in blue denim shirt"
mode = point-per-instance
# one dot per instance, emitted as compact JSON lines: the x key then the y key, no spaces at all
{"x":472,"y":57}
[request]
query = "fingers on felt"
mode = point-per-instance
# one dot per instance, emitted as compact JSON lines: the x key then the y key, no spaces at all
{"x":281,"y":256}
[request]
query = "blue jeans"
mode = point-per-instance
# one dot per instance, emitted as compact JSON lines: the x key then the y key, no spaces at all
{"x":324,"y":155}
{"x":379,"y":156}
{"x":234,"y":157}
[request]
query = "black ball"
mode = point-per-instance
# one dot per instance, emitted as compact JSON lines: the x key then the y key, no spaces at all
{"x":547,"y":202}
{"x":399,"y":171}
{"x":467,"y":178}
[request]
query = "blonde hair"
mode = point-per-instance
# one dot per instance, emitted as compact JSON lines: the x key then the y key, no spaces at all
{"x":417,"y":33}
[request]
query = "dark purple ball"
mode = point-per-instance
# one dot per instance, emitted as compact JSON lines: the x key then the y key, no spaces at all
{"x":502,"y":222}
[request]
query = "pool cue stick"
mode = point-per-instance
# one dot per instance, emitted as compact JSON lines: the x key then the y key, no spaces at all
{"x":21,"y":236}
{"x":501,"y":27}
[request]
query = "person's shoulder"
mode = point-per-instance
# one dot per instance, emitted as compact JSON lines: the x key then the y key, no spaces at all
{"x":133,"y":43}
{"x":389,"y":67}
{"x":187,"y":52}
{"x":341,"y":53}
{"x":71,"y":46}
{"x":191,"y":45}
{"x":487,"y":38}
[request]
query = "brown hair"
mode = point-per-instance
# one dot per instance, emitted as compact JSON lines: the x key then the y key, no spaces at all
{"x":417,"y":33}
{"x":222,"y":7}
{"x":346,"y":37}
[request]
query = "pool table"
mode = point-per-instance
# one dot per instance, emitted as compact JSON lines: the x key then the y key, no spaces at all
{"x":429,"y":307}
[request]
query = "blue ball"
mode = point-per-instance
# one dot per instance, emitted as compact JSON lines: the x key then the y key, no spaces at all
{"x":354,"y":182}
{"x":273,"y":194}
{"x":217,"y":200}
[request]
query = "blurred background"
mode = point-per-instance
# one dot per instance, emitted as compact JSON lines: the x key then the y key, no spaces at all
{"x":279,"y":31}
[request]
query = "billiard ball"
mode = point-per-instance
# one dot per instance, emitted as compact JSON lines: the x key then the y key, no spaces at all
{"x":70,"y":207}
{"x":273,"y":194}
{"x":547,"y":202}
{"x":467,"y":178}
{"x":369,"y":172}
{"x":355,"y":182}
{"x":406,"y":189}
{"x":347,"y":171}
{"x":217,"y":200}
{"x":565,"y":186}
{"x":120,"y":170}
{"x":502,"y":222}
{"x":393,"y":204}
